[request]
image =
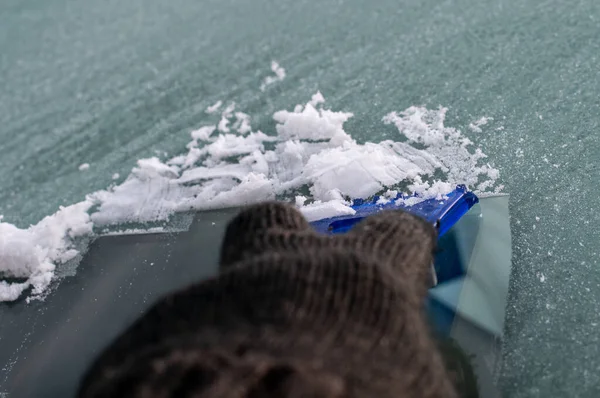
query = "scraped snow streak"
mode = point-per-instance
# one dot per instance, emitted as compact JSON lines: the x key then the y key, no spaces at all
{"x":230,"y":164}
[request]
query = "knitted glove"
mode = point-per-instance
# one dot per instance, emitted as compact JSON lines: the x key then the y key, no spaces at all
{"x":292,"y":314}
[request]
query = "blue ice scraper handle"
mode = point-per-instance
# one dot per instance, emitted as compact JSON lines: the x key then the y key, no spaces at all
{"x":443,"y":214}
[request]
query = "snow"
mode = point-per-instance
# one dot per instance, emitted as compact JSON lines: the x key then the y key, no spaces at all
{"x":279,"y":76}
{"x":447,"y":145}
{"x":136,"y":231}
{"x":33,"y":253}
{"x":242,"y":123}
{"x":310,"y":123}
{"x":215,"y":107}
{"x":476,"y":125}
{"x":309,"y":159}
{"x":223,"y":125}
{"x":202,"y":134}
{"x":319,"y":210}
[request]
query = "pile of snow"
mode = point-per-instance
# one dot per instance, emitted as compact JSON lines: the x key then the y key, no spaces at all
{"x":32,"y":254}
{"x":229,"y":164}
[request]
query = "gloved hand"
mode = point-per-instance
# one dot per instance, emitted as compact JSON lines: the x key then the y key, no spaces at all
{"x":292,"y":313}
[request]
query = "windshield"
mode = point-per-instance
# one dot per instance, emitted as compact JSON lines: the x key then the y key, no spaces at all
{"x":150,"y":118}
